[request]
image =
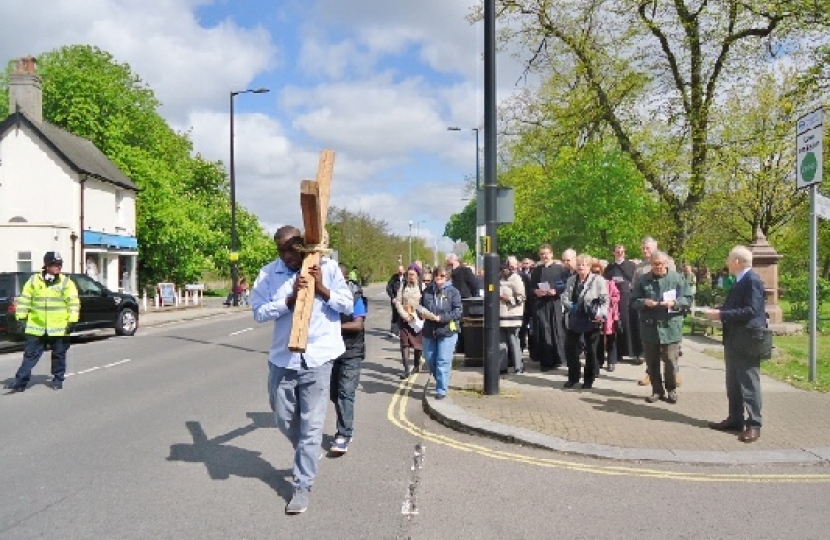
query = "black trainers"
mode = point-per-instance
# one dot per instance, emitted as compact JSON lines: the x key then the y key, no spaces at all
{"x":654,"y":398}
{"x":57,"y":385}
{"x":16,"y":386}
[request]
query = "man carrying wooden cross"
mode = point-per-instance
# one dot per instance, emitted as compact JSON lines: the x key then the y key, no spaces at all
{"x":304,"y":294}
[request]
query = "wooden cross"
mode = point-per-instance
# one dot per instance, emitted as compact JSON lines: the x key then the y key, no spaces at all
{"x":314,"y":202}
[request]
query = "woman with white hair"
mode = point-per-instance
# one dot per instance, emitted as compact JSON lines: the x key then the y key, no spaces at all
{"x":585,"y":301}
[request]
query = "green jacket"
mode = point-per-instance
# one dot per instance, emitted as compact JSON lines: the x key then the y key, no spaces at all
{"x":658,"y":324}
{"x":48,"y":308}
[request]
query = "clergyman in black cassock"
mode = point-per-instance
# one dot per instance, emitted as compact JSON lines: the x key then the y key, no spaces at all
{"x":621,"y":272}
{"x":548,"y":325}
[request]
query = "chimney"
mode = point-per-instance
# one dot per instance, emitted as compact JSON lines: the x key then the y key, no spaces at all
{"x":25,"y":90}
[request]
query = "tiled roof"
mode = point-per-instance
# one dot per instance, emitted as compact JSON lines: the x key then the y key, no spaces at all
{"x":79,"y":153}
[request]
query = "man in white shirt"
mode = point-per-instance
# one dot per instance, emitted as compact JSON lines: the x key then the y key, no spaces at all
{"x":298,"y":383}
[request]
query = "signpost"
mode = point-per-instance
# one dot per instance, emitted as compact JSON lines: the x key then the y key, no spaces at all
{"x":808,"y":173}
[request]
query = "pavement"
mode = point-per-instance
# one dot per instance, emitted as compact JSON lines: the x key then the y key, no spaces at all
{"x":612,"y":420}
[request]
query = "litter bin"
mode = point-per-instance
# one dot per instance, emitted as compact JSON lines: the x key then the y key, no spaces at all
{"x":472,"y":329}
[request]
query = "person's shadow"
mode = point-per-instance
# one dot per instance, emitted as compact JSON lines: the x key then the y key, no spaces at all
{"x":224,"y":460}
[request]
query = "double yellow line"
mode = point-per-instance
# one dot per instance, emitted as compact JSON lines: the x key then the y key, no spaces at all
{"x":397,"y":415}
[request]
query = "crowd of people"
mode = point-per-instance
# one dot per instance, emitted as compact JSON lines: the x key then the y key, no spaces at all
{"x":576,"y":312}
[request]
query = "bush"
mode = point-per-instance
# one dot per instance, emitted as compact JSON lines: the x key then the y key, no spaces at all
{"x":797,"y":293}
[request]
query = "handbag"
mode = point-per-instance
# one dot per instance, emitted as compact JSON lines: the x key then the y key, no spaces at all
{"x":763,"y":338}
{"x":579,"y":321}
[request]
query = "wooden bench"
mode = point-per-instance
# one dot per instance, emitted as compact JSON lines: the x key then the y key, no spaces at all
{"x":704,"y":325}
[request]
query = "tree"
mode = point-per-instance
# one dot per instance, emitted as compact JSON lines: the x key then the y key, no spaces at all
{"x":646,"y":59}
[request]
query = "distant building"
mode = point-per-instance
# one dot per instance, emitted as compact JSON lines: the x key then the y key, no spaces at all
{"x":58,"y":192}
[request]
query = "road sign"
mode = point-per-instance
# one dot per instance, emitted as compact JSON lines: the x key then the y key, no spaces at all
{"x":809,"y":141}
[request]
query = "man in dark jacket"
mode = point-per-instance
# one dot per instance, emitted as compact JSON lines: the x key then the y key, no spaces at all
{"x":662,"y":298}
{"x":464,"y":280}
{"x":744,"y":317}
{"x":345,"y":372}
{"x":392,"y":287}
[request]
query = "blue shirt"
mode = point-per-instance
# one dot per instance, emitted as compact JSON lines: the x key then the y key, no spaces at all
{"x":273,"y":286}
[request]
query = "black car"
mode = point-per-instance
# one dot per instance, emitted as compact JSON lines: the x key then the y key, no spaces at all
{"x":100,"y":307}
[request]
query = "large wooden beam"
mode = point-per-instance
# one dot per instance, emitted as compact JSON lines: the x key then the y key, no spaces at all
{"x":314,"y":202}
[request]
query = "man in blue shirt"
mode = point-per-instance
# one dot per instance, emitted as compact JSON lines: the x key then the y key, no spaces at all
{"x":298,"y":383}
{"x":345,"y":373}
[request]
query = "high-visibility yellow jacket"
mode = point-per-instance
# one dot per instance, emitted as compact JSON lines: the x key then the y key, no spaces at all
{"x":48,"y":307}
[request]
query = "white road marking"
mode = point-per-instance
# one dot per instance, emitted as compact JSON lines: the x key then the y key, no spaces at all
{"x":100,"y":367}
{"x":240,"y":331}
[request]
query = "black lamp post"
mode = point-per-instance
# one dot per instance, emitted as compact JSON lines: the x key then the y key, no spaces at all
{"x":234,"y":255}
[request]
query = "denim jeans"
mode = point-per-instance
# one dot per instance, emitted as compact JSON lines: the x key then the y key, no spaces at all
{"x":438,"y":355}
{"x":35,"y":345}
{"x":299,"y":400}
{"x":345,"y":375}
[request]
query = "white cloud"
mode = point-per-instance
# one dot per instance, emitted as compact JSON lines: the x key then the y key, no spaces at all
{"x":186,"y":64}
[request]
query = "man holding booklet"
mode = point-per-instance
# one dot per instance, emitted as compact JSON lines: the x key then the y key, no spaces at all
{"x":661,"y":297}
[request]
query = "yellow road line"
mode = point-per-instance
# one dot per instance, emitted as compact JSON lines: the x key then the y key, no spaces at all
{"x":396,"y":413}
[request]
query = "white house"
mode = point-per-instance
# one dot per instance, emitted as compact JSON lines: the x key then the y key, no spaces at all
{"x":58,"y":192}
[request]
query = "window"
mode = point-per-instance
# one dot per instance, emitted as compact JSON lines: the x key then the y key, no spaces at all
{"x":24,"y":261}
{"x":119,"y":212}
{"x":85,"y":286}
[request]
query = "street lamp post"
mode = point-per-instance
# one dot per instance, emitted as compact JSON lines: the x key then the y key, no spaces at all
{"x":234,"y":255}
{"x":478,"y":182}
{"x":410,"y":241}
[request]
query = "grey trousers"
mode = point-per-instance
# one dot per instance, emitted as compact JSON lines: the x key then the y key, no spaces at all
{"x":510,"y":337}
{"x":743,"y":386}
{"x":655,"y":355}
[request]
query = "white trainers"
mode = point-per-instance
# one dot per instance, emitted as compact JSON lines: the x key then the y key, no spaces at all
{"x":340,"y":445}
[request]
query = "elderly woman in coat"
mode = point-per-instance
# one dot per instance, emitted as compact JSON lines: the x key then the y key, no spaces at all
{"x":585,"y":302}
{"x":511,"y":314}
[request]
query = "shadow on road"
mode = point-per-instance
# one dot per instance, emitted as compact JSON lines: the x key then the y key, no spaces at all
{"x":203,"y":342}
{"x":224,"y":460}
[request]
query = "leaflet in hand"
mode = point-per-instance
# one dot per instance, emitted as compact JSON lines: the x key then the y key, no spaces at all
{"x":544,"y":286}
{"x":670,"y":296}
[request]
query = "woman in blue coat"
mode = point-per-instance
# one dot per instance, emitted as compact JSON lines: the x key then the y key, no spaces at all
{"x":441,"y":309}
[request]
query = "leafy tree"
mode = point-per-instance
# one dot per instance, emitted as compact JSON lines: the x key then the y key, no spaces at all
{"x":641,"y":59}
{"x":183,"y":209}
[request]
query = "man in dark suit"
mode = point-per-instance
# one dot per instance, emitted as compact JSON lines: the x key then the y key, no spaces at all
{"x":743,"y":316}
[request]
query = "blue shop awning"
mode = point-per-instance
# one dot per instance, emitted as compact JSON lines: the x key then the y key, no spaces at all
{"x":110,"y":241}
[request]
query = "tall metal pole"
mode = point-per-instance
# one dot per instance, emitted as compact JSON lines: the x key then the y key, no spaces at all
{"x":234,"y":254}
{"x":813,"y":303}
{"x":410,"y":242}
{"x":491,"y":257}
{"x":478,"y":187}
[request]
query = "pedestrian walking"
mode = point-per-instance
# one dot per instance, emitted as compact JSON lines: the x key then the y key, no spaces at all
{"x":298,"y":383}
{"x":392,"y":287}
{"x":441,"y":310}
{"x":585,"y":302}
{"x":345,"y":373}
{"x":50,"y":307}
{"x":410,"y":325}
{"x":511,"y":308}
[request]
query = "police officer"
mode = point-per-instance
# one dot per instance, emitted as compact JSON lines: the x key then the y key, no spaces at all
{"x":50,"y":307}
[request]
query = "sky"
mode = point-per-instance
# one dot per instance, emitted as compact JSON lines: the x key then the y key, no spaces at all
{"x":377,"y":81}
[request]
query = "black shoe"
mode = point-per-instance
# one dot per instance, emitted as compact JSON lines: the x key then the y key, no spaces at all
{"x":611,"y":367}
{"x":440,"y":396}
{"x":57,"y":385}
{"x":16,"y":387}
{"x":570,"y":384}
{"x":519,"y":371}
{"x":587,"y":386}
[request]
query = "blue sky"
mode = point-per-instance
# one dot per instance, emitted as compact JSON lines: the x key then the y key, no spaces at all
{"x":377,"y":81}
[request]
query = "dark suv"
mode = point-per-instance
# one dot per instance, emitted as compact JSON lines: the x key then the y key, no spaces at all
{"x":100,"y":307}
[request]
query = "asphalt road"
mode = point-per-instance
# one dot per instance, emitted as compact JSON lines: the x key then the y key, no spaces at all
{"x":169,"y":435}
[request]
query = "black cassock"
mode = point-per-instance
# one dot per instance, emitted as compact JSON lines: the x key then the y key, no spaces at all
{"x":627,"y":336}
{"x":547,"y":319}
